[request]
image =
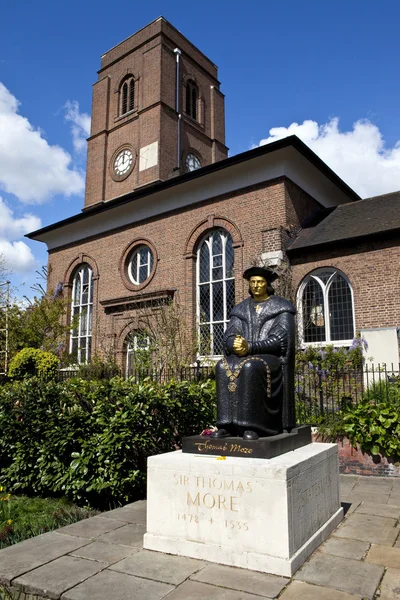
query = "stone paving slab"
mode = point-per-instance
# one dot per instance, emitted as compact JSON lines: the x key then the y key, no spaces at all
{"x":194,"y":590}
{"x":380,"y":510}
{"x":128,"y":535}
{"x":161,"y":567}
{"x":375,"y":534}
{"x":390,"y":588}
{"x":30,"y":554}
{"x":56,"y":577}
{"x":131,"y":513}
{"x":91,"y":528}
{"x":346,"y":548}
{"x":242,"y":580}
{"x":352,"y":576}
{"x":382,"y":555}
{"x":109,"y":585}
{"x":300,"y":590}
{"x":360,"y":517}
{"x":104,"y":552}
{"x":359,"y":496}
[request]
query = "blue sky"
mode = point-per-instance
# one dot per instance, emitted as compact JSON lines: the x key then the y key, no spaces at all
{"x":327,"y":71}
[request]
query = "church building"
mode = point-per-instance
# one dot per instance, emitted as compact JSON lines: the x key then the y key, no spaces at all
{"x":168,"y":216}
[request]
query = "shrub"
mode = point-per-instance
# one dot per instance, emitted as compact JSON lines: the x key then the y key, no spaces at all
{"x":89,"y":440}
{"x":32,"y":361}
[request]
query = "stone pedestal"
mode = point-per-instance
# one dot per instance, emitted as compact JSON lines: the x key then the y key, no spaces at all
{"x":259,"y":514}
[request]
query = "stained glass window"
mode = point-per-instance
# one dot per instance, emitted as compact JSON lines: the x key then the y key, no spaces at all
{"x":81,"y":314}
{"x":326,"y":308}
{"x":215,"y":290}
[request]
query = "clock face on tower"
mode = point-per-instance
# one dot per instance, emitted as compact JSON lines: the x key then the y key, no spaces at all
{"x":123,"y":162}
{"x":192,"y":162}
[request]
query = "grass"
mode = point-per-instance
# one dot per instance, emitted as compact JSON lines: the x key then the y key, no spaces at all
{"x":22,"y":517}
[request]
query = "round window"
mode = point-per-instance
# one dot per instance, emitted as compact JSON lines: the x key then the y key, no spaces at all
{"x":140,"y":264}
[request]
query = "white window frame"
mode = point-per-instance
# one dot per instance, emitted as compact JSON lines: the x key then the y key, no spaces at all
{"x":83,"y":356}
{"x":147,"y":263}
{"x":207,"y":239}
{"x":325,"y":289}
{"x":133,"y":347}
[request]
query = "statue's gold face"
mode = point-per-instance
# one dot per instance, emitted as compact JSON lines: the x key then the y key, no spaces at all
{"x":258,"y":287}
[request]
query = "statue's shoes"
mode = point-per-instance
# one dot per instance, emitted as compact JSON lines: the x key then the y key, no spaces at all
{"x":250,"y":435}
{"x":221,"y":433}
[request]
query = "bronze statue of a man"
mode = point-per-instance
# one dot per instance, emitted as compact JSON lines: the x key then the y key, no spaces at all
{"x":255,"y":378}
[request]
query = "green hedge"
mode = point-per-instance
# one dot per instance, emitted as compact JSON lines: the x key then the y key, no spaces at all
{"x":89,"y":440}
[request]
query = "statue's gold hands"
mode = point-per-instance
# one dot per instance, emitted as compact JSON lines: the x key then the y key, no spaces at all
{"x":240,"y":346}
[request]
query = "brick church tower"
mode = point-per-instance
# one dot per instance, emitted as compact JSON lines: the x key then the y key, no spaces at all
{"x":157,"y":112}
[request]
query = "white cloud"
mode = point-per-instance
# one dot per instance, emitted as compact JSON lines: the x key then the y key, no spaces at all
{"x":80,"y":125}
{"x":12,"y":228}
{"x":30,"y":168}
{"x":358,"y":156}
{"x":16,"y":256}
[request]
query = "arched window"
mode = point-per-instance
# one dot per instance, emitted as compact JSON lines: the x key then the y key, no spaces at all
{"x":192,"y":96}
{"x":137,"y":352}
{"x":215,"y":290}
{"x":127,"y":96}
{"x":326,"y":308}
{"x":81,"y":314}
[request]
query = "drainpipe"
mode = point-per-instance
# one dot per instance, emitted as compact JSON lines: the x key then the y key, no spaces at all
{"x":177,"y":107}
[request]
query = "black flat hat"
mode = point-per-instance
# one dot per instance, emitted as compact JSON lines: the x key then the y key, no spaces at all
{"x":265,"y":272}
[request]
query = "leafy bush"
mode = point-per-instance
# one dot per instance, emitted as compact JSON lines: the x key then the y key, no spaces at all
{"x":32,"y":361}
{"x":375,"y":427}
{"x":89,"y":440}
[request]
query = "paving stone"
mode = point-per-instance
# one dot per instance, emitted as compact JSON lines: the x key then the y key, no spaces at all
{"x":394,"y":499}
{"x":397,"y":544}
{"x":32,"y":553}
{"x":103,"y":552}
{"x":372,"y":519}
{"x":382,"y":555}
{"x":161,"y":567}
{"x":193,"y":590}
{"x":390,"y":587}
{"x":110,"y":585}
{"x":128,"y":535}
{"x":380,"y":510}
{"x":91,"y":528}
{"x":345,"y":548}
{"x":131,"y":513}
{"x":53,"y":579}
{"x":375,"y":534}
{"x":242,"y":580}
{"x":356,"y":496}
{"x":352,"y":576}
{"x":299,"y":590}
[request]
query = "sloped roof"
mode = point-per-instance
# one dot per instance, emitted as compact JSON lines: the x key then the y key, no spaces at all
{"x":346,"y":222}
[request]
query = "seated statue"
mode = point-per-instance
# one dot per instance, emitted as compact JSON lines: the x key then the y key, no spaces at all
{"x":255,"y":378}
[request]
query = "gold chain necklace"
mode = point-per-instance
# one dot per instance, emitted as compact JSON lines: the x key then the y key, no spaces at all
{"x":232,"y":375}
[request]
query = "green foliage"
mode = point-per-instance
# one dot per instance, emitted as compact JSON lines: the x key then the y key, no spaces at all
{"x":89,"y":440}
{"x":375,"y":427}
{"x":98,"y":369}
{"x":32,"y":361}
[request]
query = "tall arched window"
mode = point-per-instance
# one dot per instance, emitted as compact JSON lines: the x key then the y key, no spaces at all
{"x":215,"y":290}
{"x":192,"y":96}
{"x":127,"y":96}
{"x":81,"y":314}
{"x":326,"y":308}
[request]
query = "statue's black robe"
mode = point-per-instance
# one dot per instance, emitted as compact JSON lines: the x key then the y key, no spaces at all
{"x":270,"y":333}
